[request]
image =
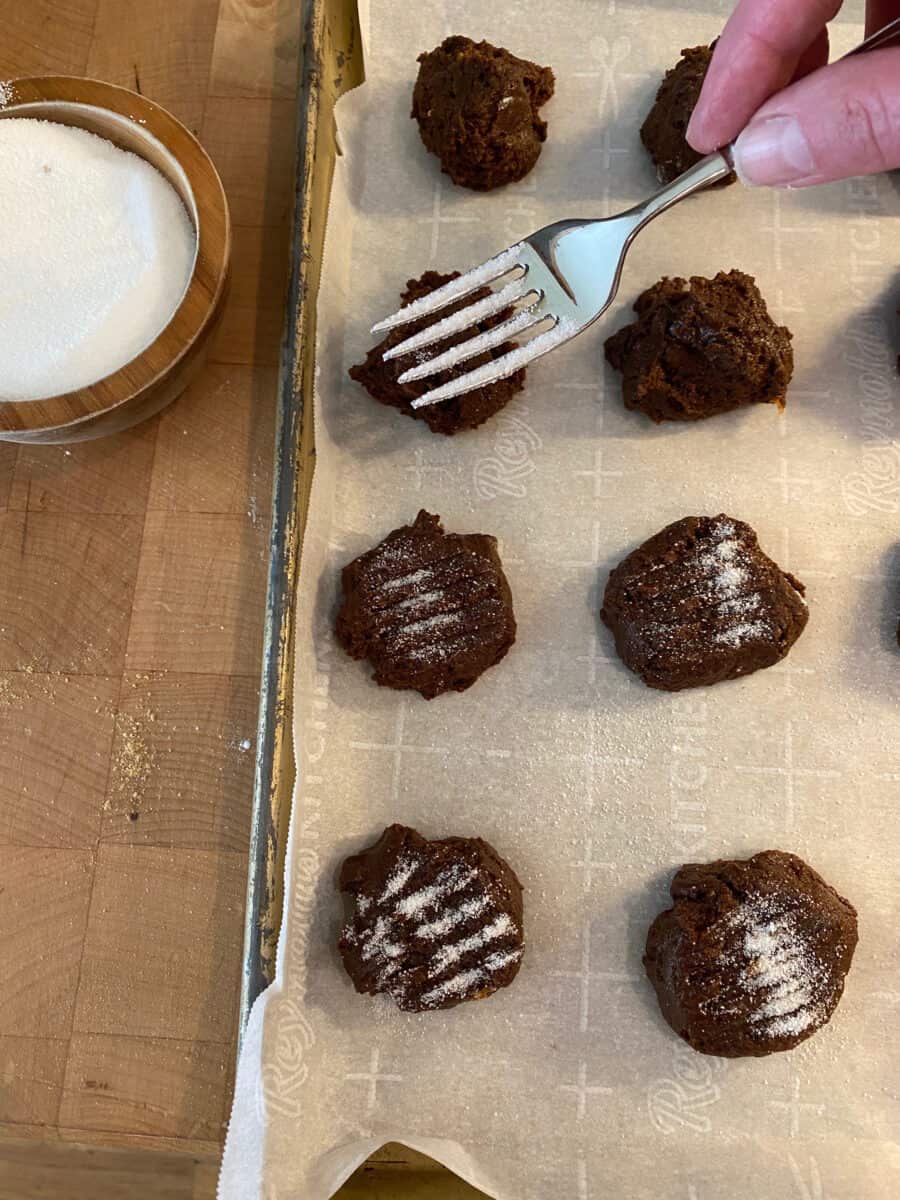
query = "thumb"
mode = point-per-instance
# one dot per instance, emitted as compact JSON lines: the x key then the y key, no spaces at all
{"x":841,"y":120}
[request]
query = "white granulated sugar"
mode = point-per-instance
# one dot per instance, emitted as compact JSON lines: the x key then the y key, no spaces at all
{"x":455,"y":290}
{"x":458,"y":322}
{"x":446,"y":884}
{"x":102,"y":254}
{"x":427,"y":624}
{"x":411,"y":580}
{"x":778,"y":963}
{"x":5,"y":93}
{"x":417,"y":602}
{"x":745,"y":631}
{"x":499,"y":368}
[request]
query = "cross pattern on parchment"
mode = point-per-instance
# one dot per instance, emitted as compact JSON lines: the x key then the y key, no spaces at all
{"x":398,"y":748}
{"x":582,"y":1190}
{"x":785,"y":560}
{"x":608,"y":58}
{"x":607,"y":153}
{"x":780,"y":227}
{"x":598,"y":472}
{"x":795,"y":1106}
{"x":583,"y":1091}
{"x":588,"y":864}
{"x":420,"y":469}
{"x":438,"y":219}
{"x":789,"y":673}
{"x":790,"y":773}
{"x":786,"y":482}
{"x":585,"y":977}
{"x":373,"y":1077}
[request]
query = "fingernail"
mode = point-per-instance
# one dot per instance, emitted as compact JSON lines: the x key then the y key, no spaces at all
{"x":773,"y":152}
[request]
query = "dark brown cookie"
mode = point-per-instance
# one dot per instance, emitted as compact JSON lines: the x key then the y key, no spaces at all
{"x":699,"y":602}
{"x":435,"y":923}
{"x":752,"y":956}
{"x":379,"y":378}
{"x":430,"y":610}
{"x":477,"y":108}
{"x":664,"y":128}
{"x":701,"y":347}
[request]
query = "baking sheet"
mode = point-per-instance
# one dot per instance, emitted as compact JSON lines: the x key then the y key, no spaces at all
{"x":595,"y":788}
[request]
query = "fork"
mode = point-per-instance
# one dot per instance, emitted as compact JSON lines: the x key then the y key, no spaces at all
{"x":561,"y":279}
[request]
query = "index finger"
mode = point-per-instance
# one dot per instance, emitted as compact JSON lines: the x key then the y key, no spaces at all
{"x":756,"y":56}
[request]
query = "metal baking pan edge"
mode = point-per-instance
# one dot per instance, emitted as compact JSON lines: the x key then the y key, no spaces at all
{"x":330,"y":63}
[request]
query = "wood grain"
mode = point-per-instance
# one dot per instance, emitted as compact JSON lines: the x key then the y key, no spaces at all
{"x":162,"y":952}
{"x":66,"y":588}
{"x":182,"y":764}
{"x":44,"y":898}
{"x":56,"y":733}
{"x":31,"y":1079}
{"x":137,"y":1085}
{"x":199,"y":595}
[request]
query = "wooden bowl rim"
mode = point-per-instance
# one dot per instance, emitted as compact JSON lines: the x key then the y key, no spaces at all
{"x":195,"y":313}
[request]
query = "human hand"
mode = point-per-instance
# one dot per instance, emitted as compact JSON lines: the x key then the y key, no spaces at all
{"x":797,"y":120}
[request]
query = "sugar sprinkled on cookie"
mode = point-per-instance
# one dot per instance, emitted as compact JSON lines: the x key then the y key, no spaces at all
{"x":434,"y":923}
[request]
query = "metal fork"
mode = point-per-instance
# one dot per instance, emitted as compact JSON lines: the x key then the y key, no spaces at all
{"x":561,"y":279}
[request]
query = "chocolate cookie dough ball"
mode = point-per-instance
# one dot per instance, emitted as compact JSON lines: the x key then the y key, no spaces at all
{"x":751,"y":957}
{"x":379,"y":378}
{"x":701,"y":347}
{"x":663,"y":131}
{"x":477,"y":108}
{"x":434,"y":923}
{"x":430,"y":610}
{"x":700,"y":602}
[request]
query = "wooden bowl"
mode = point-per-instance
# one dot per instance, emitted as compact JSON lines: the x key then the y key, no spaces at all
{"x":161,"y":372}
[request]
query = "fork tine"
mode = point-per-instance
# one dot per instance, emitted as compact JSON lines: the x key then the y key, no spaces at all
{"x":527,"y":319}
{"x":458,"y":322}
{"x":456,"y":289}
{"x":499,"y":368}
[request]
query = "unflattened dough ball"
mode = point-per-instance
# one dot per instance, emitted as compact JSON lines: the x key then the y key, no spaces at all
{"x":430,"y":610}
{"x":752,"y":955}
{"x":435,"y":923}
{"x":701,"y":347}
{"x":468,"y":411}
{"x":477,"y":108}
{"x":699,"y":602}
{"x":664,"y":128}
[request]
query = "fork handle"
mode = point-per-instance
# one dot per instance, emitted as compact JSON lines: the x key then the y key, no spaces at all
{"x":708,"y":170}
{"x":719,"y":164}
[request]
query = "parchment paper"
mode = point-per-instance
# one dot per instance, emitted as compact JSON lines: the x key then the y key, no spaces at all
{"x":569,"y":1084}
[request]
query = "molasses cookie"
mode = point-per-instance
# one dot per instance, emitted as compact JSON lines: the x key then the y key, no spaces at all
{"x":477,"y":109}
{"x":434,"y":923}
{"x":430,"y":610}
{"x":751,"y":958}
{"x":379,"y":377}
{"x":701,"y":347}
{"x":700,"y":602}
{"x":663,"y":131}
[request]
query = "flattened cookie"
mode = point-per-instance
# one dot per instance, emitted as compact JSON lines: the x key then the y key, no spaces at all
{"x":430,"y":610}
{"x":699,"y":603}
{"x":380,"y":377}
{"x":752,"y":956}
{"x":435,"y":923}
